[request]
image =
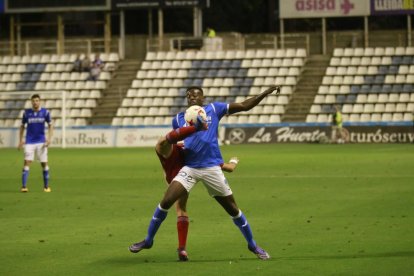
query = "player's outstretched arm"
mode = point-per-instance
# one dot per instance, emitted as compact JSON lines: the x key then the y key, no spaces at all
{"x":164,"y":147}
{"x":231,"y":166}
{"x":253,"y":101}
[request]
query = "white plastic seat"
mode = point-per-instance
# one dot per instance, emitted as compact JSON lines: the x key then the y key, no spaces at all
{"x":365,"y":117}
{"x":386,"y":117}
{"x":368,"y":108}
{"x":376,"y":117}
{"x":389,"y":51}
{"x":408,"y":117}
{"x":372,"y":98}
{"x":390,"y":107}
{"x":379,"y":108}
{"x":311,"y":118}
{"x":338,"y":52}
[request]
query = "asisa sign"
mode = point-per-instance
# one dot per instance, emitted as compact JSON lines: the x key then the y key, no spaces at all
{"x":323,"y":8}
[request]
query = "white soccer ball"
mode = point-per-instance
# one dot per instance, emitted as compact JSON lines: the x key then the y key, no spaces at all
{"x":192,"y":112}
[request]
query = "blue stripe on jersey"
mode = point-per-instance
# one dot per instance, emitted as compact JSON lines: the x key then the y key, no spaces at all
{"x":35,"y":131}
{"x":202,"y":148}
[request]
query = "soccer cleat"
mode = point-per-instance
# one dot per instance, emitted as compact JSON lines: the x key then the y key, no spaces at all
{"x":47,"y":190}
{"x":24,"y":190}
{"x":259,"y":252}
{"x":136,"y":247}
{"x":182,"y":255}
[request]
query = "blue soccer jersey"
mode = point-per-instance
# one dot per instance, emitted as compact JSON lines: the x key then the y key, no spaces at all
{"x":202,"y":148}
{"x":35,"y":120}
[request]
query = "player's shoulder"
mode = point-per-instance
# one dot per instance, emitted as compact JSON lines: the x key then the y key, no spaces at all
{"x":215,"y":106}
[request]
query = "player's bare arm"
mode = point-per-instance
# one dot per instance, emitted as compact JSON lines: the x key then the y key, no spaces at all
{"x":253,"y":101}
{"x":49,"y":135}
{"x":21,"y":140}
{"x":231,"y":165}
{"x":163,"y":147}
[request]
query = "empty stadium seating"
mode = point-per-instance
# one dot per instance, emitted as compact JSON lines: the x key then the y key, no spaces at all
{"x":158,"y":91}
{"x":371,"y":85}
{"x":47,"y":73}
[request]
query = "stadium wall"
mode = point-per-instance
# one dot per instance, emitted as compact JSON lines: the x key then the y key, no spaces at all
{"x":106,"y":137}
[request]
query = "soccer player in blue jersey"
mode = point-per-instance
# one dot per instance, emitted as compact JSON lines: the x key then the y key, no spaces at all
{"x":36,"y":142}
{"x":202,"y":159}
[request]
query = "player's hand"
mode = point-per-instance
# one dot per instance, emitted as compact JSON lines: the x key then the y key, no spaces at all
{"x":273,"y":88}
{"x":20,"y":145}
{"x":234,"y":160}
{"x":201,"y":124}
{"x":47,"y":143}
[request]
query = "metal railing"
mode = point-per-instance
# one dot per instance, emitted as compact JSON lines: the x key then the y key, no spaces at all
{"x":232,"y":41}
{"x":79,"y":45}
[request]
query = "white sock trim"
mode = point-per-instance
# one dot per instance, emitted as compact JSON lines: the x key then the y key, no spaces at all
{"x":26,"y":168}
{"x":238,"y":215}
{"x":162,"y":209}
{"x":46,"y":168}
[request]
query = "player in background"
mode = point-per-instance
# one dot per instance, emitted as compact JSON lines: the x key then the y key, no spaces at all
{"x":202,"y":163}
{"x":36,"y":142}
{"x":171,"y":155}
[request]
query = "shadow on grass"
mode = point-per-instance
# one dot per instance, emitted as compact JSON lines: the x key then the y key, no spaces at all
{"x":141,"y":260}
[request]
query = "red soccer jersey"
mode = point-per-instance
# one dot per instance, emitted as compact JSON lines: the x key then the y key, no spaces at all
{"x":173,"y":164}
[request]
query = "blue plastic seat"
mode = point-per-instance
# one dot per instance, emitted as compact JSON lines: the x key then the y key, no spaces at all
{"x":226,"y":63}
{"x":340,"y":99}
{"x":30,"y":67}
{"x":351,"y":98}
{"x":365,"y":88}
{"x":242,"y":72}
{"x":248,"y":82}
{"x":397,"y":88}
{"x":379,"y":79}
{"x":386,"y":88}
{"x":222,"y":73}
{"x":369,"y":79}
{"x":393,"y":70}
{"x":408,"y":88}
{"x":202,"y":73}
{"x":355,"y":88}
{"x":196,"y":64}
{"x":397,"y":60}
{"x":236,"y":63}
{"x":212,"y":73}
{"x":40,"y":67}
{"x":376,"y":88}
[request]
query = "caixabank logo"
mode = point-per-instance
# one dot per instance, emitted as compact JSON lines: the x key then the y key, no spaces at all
{"x":346,"y":6}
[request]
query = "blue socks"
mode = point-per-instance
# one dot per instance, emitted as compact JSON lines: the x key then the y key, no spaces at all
{"x":25,"y":175}
{"x":158,"y":217}
{"x":46,"y":177}
{"x":241,"y":222}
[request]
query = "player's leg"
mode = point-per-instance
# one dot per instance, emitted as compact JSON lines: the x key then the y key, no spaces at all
{"x":29,"y":152}
{"x":239,"y":219}
{"x":174,"y":192}
{"x":218,"y":187}
{"x":182,"y":226}
{"x":25,"y":175}
{"x":42,"y":152}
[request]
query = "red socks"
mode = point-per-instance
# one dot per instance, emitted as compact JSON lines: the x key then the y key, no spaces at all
{"x":179,"y":134}
{"x":182,"y":229}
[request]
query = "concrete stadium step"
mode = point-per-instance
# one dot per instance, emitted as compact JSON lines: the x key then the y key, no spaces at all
{"x":306,"y":89}
{"x":117,"y":87}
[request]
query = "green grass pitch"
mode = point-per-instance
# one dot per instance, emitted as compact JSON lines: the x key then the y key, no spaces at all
{"x":317,"y":209}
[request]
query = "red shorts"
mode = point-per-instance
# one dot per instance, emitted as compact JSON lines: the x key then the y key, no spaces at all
{"x":173,"y":164}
